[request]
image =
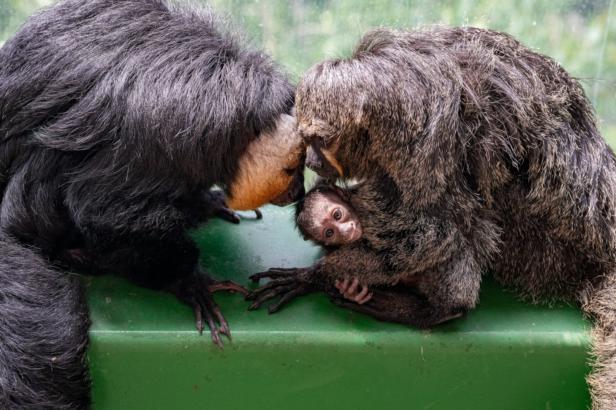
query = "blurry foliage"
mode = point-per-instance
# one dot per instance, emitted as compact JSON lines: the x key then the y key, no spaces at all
{"x":14,"y":12}
{"x":580,"y":34}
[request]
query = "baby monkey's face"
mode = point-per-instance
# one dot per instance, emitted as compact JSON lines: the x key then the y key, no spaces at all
{"x":328,"y":220}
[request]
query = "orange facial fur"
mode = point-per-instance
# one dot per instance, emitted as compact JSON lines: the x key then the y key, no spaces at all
{"x":262,"y":173}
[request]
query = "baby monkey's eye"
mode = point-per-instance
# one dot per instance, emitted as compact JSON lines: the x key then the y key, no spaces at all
{"x":337,"y":214}
{"x":329,"y":232}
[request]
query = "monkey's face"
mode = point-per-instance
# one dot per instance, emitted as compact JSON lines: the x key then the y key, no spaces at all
{"x":338,"y":103}
{"x":270,"y":170}
{"x":328,"y":220}
{"x":323,"y":162}
{"x":322,"y":149}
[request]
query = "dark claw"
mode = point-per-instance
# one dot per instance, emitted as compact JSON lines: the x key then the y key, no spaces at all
{"x":224,"y":326}
{"x":224,"y":329}
{"x":210,"y":310}
{"x":273,"y":285}
{"x":198,"y":318}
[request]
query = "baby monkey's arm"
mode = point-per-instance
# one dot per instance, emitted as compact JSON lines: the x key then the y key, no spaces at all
{"x":422,"y":299}
{"x":355,"y":264}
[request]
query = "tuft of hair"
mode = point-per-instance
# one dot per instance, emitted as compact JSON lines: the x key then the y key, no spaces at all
{"x":44,"y":334}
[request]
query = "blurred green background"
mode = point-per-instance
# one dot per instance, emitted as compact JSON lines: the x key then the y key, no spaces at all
{"x":580,"y":34}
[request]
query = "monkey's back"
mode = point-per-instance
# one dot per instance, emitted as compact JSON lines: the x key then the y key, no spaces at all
{"x":539,"y":162}
{"x":124,"y":110}
{"x":500,"y":133}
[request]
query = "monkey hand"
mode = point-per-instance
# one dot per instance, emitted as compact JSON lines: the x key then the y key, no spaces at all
{"x":218,"y":207}
{"x":284,"y":283}
{"x":196,"y":291}
{"x":353,"y":291}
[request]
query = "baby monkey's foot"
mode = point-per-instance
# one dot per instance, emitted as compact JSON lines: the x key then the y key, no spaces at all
{"x":285,"y":283}
{"x":353,"y":291}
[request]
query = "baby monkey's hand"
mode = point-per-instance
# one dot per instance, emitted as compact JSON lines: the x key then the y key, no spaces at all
{"x":353,"y":291}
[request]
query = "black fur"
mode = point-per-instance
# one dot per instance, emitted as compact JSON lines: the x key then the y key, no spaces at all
{"x":115,"y":117}
{"x":43,"y":338}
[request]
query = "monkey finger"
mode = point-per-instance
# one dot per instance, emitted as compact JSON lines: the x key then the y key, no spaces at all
{"x":216,"y":337}
{"x":223,"y":327}
{"x":274,"y":273}
{"x":198,"y":319}
{"x":362,"y":293}
{"x":258,"y":215}
{"x":341,"y":286}
{"x":353,"y":288}
{"x":277,"y":283}
{"x":344,"y":285}
{"x":349,"y":295}
{"x":206,"y":307}
{"x":365,"y":299}
{"x":286,"y":298}
{"x":228,"y":215}
{"x":269,"y":286}
{"x":272,"y":293}
{"x":227,"y":285}
{"x":285,"y":270}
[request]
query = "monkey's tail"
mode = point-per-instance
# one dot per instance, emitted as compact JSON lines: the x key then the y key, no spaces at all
{"x":599,"y":302}
{"x":43,"y":333}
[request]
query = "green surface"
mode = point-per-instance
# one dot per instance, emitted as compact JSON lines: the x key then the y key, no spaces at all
{"x":146,"y":354}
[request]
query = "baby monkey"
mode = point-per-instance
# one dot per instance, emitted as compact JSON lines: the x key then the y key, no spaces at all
{"x":326,"y":217}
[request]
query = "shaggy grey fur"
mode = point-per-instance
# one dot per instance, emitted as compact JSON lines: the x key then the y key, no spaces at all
{"x":475,"y":154}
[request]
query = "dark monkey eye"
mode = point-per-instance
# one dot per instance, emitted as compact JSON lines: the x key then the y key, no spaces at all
{"x":337,"y":214}
{"x":329,"y":232}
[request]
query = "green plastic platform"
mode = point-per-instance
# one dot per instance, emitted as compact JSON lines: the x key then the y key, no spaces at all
{"x":146,"y":354}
